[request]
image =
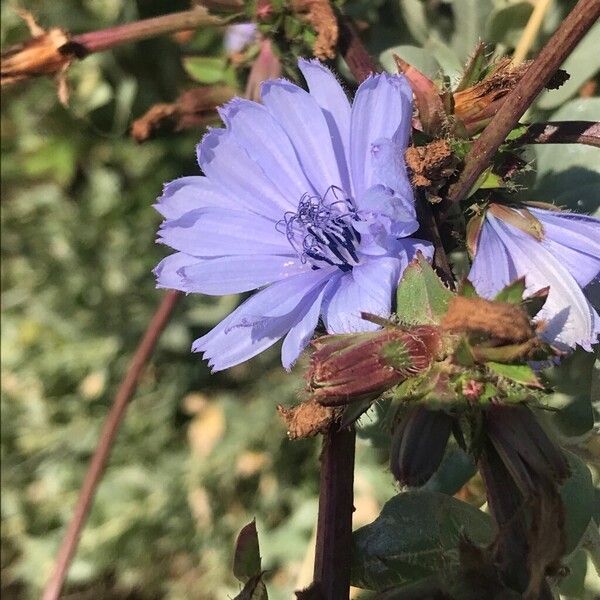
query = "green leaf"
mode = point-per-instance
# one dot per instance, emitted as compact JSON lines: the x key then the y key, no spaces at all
{"x":570,"y":168}
{"x":206,"y":69}
{"x":415,"y":536}
{"x":578,"y":496}
{"x":421,"y":298}
{"x":513,"y":292}
{"x":455,"y":470}
{"x":469,"y":24}
{"x":505,"y":24}
{"x":246,"y":561}
{"x":572,"y":397}
{"x":518,"y":373}
{"x":415,"y":17}
{"x":416,"y":57}
{"x":254,"y":589}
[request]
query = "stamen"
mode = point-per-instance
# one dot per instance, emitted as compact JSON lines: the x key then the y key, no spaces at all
{"x":321,"y":230}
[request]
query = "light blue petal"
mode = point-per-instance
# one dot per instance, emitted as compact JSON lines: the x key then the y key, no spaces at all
{"x":259,"y":134}
{"x":302,"y":331}
{"x":389,"y":168}
{"x":188,"y":193}
{"x":382,"y":109}
{"x":234,"y":274}
{"x":342,"y":309}
{"x":167,"y":271}
{"x":327,"y":91}
{"x":379,"y":279}
{"x":223,"y":232}
{"x":574,"y":240}
{"x":384,"y":217}
{"x":260,"y":321}
{"x":229,"y":168}
{"x":567,"y":313}
{"x":302,"y":119}
{"x":492,"y":267}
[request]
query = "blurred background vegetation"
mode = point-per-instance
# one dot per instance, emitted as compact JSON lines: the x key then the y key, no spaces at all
{"x":199,"y":455}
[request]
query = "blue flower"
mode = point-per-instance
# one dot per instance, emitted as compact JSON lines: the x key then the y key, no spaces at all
{"x":238,"y":36}
{"x":549,"y":248}
{"x":304,"y":197}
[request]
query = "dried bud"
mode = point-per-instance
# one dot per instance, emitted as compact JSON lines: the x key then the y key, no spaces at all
{"x":476,"y":105}
{"x":194,"y":108}
{"x":320,"y":15}
{"x":46,"y":53}
{"x":307,"y":419}
{"x":498,"y":321}
{"x":432,"y":114}
{"x":346,"y":368}
{"x":430,"y":165}
{"x":418,"y":445}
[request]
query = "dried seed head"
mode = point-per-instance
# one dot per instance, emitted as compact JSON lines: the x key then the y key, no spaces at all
{"x":497,"y":320}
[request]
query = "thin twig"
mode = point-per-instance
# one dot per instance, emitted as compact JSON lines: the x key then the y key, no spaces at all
{"x":531,"y":31}
{"x":548,"y":61}
{"x":560,"y":132}
{"x":98,"y":41}
{"x":109,"y":431}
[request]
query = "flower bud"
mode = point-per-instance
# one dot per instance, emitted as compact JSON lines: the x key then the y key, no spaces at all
{"x":346,"y":368}
{"x":418,"y":445}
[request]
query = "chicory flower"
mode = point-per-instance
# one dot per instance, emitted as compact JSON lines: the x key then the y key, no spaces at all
{"x":304,"y":197}
{"x":238,"y":36}
{"x":549,"y":248}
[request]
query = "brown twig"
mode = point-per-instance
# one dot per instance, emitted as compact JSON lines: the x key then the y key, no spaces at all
{"x":102,"y":452}
{"x":98,"y":41}
{"x":541,"y":70}
{"x":560,"y":132}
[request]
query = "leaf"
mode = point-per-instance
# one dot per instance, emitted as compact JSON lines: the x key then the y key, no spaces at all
{"x":579,"y":499}
{"x":505,"y":24}
{"x":415,"y":17}
{"x":513,"y":292}
{"x":415,"y":536}
{"x":572,"y":397}
{"x":469,"y":24}
{"x":456,"y":469}
{"x":206,"y":69}
{"x":518,"y":373}
{"x":570,"y":170}
{"x":254,"y":589}
{"x":421,"y":298}
{"x":582,"y":64}
{"x":415,"y":56}
{"x":246,"y":561}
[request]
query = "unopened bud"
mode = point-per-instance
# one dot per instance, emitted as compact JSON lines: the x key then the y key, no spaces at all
{"x":346,"y":368}
{"x":418,"y":445}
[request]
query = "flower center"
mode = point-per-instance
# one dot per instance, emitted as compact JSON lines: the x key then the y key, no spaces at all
{"x":322,"y":231}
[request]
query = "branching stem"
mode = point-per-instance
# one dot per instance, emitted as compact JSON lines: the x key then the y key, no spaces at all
{"x":109,"y":431}
{"x":545,"y":65}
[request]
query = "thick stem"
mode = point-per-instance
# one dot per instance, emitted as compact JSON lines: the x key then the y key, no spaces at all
{"x":102,"y":452}
{"x":97,"y":41}
{"x":545,"y":65}
{"x":334,"y":525}
{"x":561,"y":132}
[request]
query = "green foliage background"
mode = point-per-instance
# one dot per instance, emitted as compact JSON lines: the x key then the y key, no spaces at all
{"x":198,"y":455}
